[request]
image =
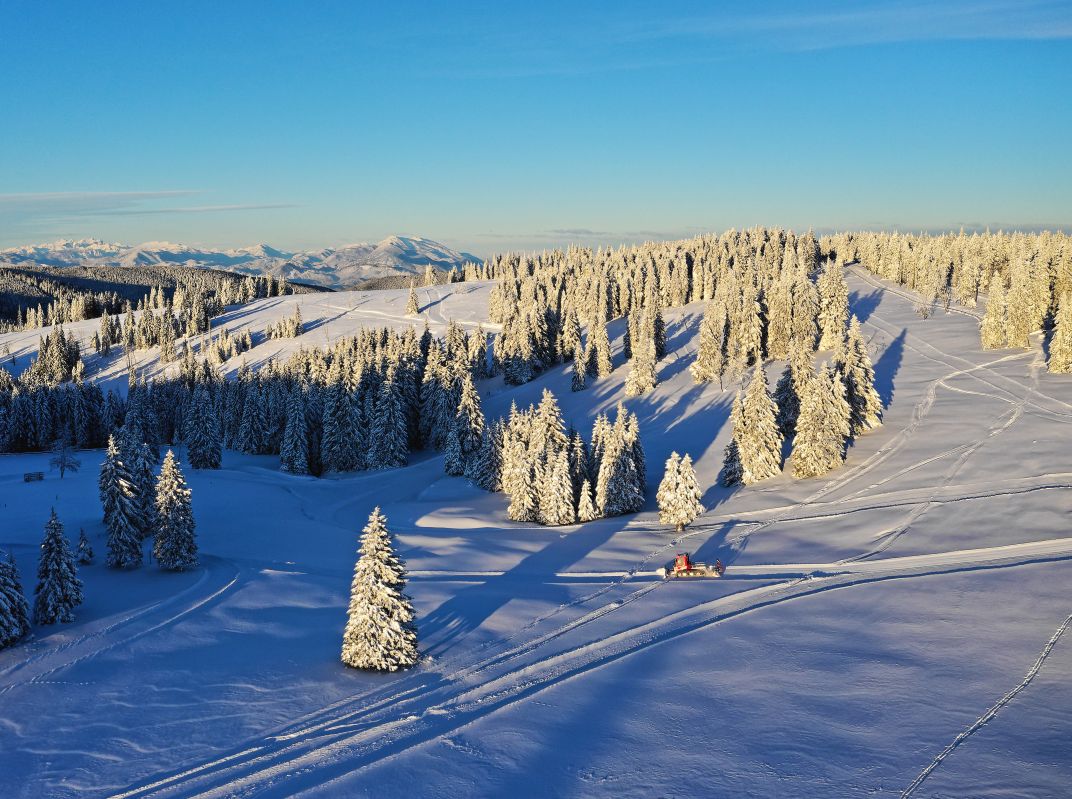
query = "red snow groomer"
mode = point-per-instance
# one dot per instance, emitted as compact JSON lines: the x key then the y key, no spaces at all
{"x":684,"y":566}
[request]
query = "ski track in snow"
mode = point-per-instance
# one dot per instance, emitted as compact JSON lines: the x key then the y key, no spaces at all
{"x":219,"y":576}
{"x":991,"y":711}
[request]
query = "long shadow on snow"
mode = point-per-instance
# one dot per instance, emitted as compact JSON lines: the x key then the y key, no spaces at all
{"x":863,"y":305}
{"x":531,"y":578}
{"x":887,"y":366}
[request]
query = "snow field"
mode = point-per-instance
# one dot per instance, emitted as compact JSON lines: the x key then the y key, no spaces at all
{"x":866,"y":618}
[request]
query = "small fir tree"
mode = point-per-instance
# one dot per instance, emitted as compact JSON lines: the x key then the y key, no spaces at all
{"x":14,"y":610}
{"x":577,"y":383}
{"x":84,"y":554}
{"x":858,"y":374}
{"x":59,"y":591}
{"x":833,"y":306}
{"x":732,"y":472}
{"x":380,"y":634}
{"x":758,"y":438}
{"x":175,"y":547}
{"x":679,"y":493}
{"x":586,"y":507}
{"x":556,"y":493}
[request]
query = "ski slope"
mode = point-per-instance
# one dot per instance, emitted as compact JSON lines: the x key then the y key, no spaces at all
{"x":896,"y":628}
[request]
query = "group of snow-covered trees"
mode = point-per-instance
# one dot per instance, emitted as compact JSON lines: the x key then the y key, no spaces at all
{"x":819,"y":411}
{"x":57,"y":593}
{"x":288,"y":327}
{"x":1027,"y":279}
{"x":66,"y":298}
{"x":552,"y":475}
{"x":365,"y":403}
{"x":139,"y":504}
{"x":543,"y":302}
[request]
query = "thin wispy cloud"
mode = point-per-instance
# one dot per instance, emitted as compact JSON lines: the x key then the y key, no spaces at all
{"x":194,"y":209}
{"x":611,"y":43}
{"x":55,"y":210}
{"x":816,"y":28}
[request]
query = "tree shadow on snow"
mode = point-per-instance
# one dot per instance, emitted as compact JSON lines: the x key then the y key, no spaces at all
{"x":863,"y":305}
{"x":887,"y":366}
{"x":532,"y":578}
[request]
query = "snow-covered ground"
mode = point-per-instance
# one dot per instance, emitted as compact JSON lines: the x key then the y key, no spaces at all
{"x":901,"y":617}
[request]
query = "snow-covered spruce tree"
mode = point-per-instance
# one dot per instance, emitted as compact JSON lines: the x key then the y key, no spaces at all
{"x":341,"y":439}
{"x":642,"y":376}
{"x":144,"y":482}
{"x":468,"y":421}
{"x":598,"y":360}
{"x":586,"y":507}
{"x":203,"y":439}
{"x":412,"y":308}
{"x":710,"y":363}
{"x":485,"y":469}
{"x":175,"y":547}
{"x":59,"y":591}
{"x":389,"y":434}
{"x":1020,"y":314}
{"x":294,"y":450}
{"x":620,"y":482}
{"x":679,"y":493}
{"x":121,"y":518}
{"x":1060,"y":361}
{"x":569,"y":340}
{"x":14,"y":610}
{"x":758,"y":438}
{"x":112,"y":469}
{"x":380,"y":634}
{"x":823,"y":426}
{"x":858,"y":374}
{"x":84,"y":554}
{"x":556,"y":493}
{"x":579,"y":372}
{"x":993,"y":329}
{"x":833,"y":305}
{"x":732,"y":472}
{"x":453,"y":463}
{"x":518,"y":481}
{"x":732,"y":469}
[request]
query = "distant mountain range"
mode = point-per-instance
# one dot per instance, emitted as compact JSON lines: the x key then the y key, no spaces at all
{"x":337,"y":268}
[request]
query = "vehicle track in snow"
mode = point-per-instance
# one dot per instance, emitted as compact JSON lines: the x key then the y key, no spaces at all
{"x":219,"y":575}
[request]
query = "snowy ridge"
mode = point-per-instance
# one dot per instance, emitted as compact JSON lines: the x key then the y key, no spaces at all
{"x":342,"y":267}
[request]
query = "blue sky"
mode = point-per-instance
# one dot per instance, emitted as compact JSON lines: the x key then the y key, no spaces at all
{"x":493,"y":126}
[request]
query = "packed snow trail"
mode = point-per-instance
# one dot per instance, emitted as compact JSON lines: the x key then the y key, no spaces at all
{"x":991,"y":711}
{"x":333,"y":748}
{"x":217,"y":577}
